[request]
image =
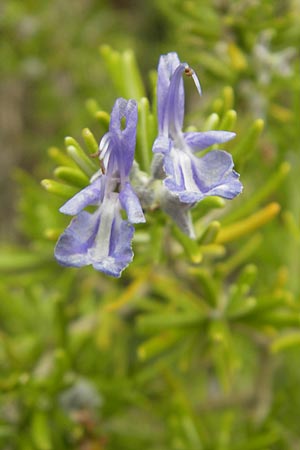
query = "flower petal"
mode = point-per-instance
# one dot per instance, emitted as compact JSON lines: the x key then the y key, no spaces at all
{"x":170,"y":93}
{"x":214,"y":175}
{"x":91,"y":195}
{"x":166,"y":68}
{"x":120,"y":254}
{"x":217,"y":175}
{"x":162,"y":144}
{"x":157,"y":167}
{"x":201,"y":140}
{"x":72,"y":247}
{"x":180,"y":212}
{"x":173,"y":112}
{"x":130,"y":203}
{"x":193,"y":178}
{"x":179,"y":171}
{"x":124,"y":138}
{"x":101,"y":239}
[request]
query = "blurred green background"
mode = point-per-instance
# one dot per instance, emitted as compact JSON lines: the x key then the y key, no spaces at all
{"x":178,"y":354}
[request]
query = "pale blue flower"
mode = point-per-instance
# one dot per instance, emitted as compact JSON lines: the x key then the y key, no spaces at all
{"x":103,"y":238}
{"x":188,"y":176}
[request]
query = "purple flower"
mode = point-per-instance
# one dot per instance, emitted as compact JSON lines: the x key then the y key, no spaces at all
{"x":190,"y":177}
{"x":103,"y":238}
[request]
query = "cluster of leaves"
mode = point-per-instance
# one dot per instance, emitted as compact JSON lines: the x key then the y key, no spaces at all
{"x":195,"y":347}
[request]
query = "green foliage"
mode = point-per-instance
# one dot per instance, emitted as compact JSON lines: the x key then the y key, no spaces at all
{"x":196,"y":346}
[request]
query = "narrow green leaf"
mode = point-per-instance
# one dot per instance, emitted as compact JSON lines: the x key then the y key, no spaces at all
{"x":52,"y":233}
{"x":246,"y":146}
{"x":60,"y":157}
{"x":158,"y":344}
{"x":113,"y":64}
{"x":152,"y":323}
{"x":103,"y":118}
{"x":241,"y":307}
{"x":72,"y":176}
{"x":210,"y":233}
{"x":248,"y":275}
{"x":133,"y":84}
{"x":90,"y":141}
{"x":222,"y":352}
{"x":63,"y":190}
{"x":278,"y":319}
{"x":285,"y":342}
{"x":211,"y":123}
{"x":206,"y":205}
{"x":208,"y":285}
{"x":291,"y":225}
{"x":239,"y":257}
{"x":144,"y":135}
{"x":80,"y":157}
{"x":260,"y":195}
{"x":191,"y":432}
{"x":92,"y":106}
{"x":190,"y":246}
{"x":228,"y":121}
{"x":212,"y":250}
{"x":248,"y":225}
{"x":228,"y":96}
{"x":13,"y":259}
{"x":215,"y":66}
{"x":40,"y":431}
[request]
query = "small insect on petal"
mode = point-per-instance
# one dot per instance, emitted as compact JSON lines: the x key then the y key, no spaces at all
{"x":188,"y":71}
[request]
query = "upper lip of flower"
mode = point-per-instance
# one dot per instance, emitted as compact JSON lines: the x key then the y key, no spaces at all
{"x":170,"y":92}
{"x":116,"y":148}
